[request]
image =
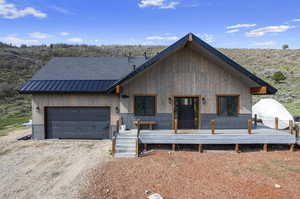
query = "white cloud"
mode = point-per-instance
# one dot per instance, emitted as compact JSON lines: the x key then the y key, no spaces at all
{"x":233,"y":31}
{"x":163,"y":4}
{"x":13,"y":39}
{"x":75,"y":40}
{"x":296,"y":20}
{"x":209,"y":38}
{"x":64,"y":33}
{"x":10,"y":11}
{"x":262,"y":31}
{"x":266,"y":43}
{"x":166,"y":38}
{"x":38,"y":35}
{"x":240,"y":26}
{"x":61,"y":10}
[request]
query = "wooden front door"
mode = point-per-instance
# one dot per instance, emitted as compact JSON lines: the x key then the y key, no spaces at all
{"x":186,"y":111}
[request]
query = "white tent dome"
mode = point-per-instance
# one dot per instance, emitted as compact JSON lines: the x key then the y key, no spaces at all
{"x":268,"y":109}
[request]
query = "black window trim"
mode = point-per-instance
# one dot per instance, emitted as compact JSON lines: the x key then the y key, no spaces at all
{"x":228,"y":95}
{"x":145,"y":95}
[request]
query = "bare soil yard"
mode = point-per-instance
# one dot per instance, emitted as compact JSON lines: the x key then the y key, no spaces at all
{"x":191,"y":175}
{"x":47,"y":169}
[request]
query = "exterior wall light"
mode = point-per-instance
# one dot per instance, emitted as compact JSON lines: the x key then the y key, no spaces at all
{"x":203,"y":100}
{"x":117,"y":109}
{"x":124,"y":96}
{"x":37,"y":109}
{"x":170,"y":100}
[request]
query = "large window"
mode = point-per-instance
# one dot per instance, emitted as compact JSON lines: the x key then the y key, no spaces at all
{"x":228,"y":105}
{"x":144,"y":105}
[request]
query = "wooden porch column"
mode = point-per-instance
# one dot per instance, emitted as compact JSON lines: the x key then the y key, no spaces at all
{"x":276,"y":123}
{"x":137,"y":147}
{"x":265,"y":147}
{"x":200,"y":148}
{"x":173,"y":147}
{"x":118,"y":126}
{"x":175,"y":125}
{"x":213,"y":126}
{"x":145,"y":147}
{"x":237,"y":148}
{"x":113,"y":146}
{"x":292,"y":147}
{"x":249,"y":126}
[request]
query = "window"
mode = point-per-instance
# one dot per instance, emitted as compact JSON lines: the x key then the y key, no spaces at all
{"x":227,"y":105}
{"x":144,"y":105}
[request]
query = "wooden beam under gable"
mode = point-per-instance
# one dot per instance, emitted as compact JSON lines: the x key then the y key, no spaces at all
{"x":258,"y":90}
{"x":118,"y":89}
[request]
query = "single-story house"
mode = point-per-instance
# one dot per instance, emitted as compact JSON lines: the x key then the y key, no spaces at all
{"x":190,"y":82}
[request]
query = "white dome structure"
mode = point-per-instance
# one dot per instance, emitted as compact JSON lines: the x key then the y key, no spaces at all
{"x":268,"y":109}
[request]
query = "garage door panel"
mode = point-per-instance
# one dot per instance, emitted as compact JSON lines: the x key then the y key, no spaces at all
{"x":78,"y":123}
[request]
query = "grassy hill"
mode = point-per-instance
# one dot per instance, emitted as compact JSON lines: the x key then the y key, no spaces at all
{"x":17,"y":64}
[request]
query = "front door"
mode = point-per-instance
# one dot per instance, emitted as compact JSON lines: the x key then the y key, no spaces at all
{"x":187,"y":112}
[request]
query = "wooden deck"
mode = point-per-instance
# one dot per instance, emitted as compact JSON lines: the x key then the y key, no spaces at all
{"x":260,"y":135}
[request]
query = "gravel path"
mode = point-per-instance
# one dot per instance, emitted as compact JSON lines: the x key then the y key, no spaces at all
{"x":49,"y":168}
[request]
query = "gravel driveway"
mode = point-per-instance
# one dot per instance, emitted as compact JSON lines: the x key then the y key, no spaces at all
{"x":49,"y":168}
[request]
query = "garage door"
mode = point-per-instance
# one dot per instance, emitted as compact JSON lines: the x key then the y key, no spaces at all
{"x":78,"y":122}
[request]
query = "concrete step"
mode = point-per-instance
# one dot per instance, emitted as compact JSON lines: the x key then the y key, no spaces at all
{"x":125,"y":151}
{"x":125,"y":155}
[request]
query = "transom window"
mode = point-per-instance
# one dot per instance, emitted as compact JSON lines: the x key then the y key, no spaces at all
{"x":144,"y":105}
{"x":228,"y":105}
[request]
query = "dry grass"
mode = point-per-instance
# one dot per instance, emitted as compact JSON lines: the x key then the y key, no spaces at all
{"x":191,"y":175}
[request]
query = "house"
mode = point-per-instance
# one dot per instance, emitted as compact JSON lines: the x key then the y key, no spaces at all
{"x":184,"y":86}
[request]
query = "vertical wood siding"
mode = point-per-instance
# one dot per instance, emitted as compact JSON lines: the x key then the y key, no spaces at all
{"x":186,"y":72}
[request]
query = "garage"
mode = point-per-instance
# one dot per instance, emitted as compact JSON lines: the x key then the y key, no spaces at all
{"x":77,"y":122}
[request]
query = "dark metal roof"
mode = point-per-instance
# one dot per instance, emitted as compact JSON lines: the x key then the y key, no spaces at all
{"x":87,"y":68}
{"x":182,"y":42}
{"x":61,"y":86}
{"x":86,"y":74}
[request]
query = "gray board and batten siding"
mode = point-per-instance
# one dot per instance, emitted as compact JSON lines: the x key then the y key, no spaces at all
{"x":187,"y":73}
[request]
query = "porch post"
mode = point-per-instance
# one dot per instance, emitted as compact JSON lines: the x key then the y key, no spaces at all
{"x":213,"y":126}
{"x":113,"y":146}
{"x":276,"y":123}
{"x":175,"y":125}
{"x":249,"y":126}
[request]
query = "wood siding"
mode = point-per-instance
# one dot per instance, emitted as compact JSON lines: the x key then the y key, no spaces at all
{"x":186,"y":72}
{"x":66,"y":100}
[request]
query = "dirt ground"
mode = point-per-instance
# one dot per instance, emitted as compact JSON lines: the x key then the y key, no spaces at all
{"x":192,"y":175}
{"x":47,"y":169}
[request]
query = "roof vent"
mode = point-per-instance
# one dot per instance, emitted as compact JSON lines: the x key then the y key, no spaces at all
{"x":145,"y":55}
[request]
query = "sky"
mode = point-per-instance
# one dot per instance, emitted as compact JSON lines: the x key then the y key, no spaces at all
{"x":221,"y":23}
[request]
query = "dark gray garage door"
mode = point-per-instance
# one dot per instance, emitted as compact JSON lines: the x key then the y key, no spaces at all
{"x":78,"y":122}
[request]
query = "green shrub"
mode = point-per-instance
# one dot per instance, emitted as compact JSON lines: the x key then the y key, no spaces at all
{"x":278,"y":76}
{"x":285,"y":46}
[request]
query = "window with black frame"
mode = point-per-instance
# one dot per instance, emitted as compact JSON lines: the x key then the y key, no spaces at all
{"x":144,"y":105}
{"x":228,"y":105}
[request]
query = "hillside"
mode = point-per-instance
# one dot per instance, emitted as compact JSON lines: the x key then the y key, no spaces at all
{"x":17,"y":64}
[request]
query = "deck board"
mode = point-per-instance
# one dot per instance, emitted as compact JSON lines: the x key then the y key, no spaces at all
{"x":224,"y":136}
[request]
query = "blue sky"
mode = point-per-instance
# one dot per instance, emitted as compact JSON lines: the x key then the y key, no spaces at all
{"x":222,"y":23}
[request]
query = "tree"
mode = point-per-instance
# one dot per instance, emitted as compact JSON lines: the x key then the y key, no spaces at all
{"x":278,"y":76}
{"x":285,"y":46}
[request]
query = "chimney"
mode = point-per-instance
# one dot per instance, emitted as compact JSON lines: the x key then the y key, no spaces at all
{"x":145,"y":55}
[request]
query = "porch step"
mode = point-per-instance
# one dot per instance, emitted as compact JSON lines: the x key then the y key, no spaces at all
{"x":125,"y":155}
{"x":125,"y":145}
